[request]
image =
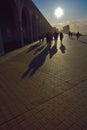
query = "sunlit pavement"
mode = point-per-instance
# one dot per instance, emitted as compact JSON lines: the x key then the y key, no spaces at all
{"x":45,"y":90}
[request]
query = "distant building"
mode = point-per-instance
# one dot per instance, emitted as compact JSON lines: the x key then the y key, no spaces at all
{"x":21,"y":23}
{"x":66,"y":29}
{"x":55,"y":29}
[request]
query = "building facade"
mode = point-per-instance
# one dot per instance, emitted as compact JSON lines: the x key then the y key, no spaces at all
{"x":66,"y":29}
{"x":21,"y":23}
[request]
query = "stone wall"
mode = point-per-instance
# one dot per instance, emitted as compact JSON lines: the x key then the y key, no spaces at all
{"x":21,"y":23}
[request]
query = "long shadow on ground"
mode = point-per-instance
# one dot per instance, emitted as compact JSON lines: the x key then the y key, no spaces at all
{"x":62,"y":48}
{"x":34,"y":47}
{"x":36,"y":63}
{"x":53,"y":51}
{"x":39,"y":49}
{"x":83,"y":42}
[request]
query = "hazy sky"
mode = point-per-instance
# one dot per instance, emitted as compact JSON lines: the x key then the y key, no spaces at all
{"x":73,"y":10}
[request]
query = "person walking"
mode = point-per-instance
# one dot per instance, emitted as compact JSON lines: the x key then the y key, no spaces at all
{"x":78,"y":35}
{"x":69,"y":33}
{"x":61,"y":37}
{"x":55,"y":34}
{"x":49,"y":38}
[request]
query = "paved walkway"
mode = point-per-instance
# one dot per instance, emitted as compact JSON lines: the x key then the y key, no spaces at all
{"x":41,"y":90}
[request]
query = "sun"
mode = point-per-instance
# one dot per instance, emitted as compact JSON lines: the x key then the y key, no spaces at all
{"x":58,"y":12}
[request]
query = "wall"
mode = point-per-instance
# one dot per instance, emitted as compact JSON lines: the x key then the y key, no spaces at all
{"x":21,"y":23}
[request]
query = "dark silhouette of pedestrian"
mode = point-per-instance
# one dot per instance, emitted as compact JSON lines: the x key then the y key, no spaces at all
{"x":55,"y":34}
{"x":49,"y":38}
{"x":78,"y":35}
{"x":61,"y":37}
{"x":69,"y":33}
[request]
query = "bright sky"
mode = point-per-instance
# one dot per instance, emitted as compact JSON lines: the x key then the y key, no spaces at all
{"x":74,"y":9}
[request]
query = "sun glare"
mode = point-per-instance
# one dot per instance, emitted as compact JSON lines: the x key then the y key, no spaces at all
{"x":59,"y":12}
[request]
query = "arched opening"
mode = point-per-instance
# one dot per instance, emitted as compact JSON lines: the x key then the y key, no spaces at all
{"x":10,"y":25}
{"x":34,"y":28}
{"x":26,"y":26}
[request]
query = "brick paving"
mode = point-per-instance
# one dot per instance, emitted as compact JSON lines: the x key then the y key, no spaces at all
{"x":41,"y":90}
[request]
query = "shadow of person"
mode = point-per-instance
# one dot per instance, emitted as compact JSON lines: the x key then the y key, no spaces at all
{"x":37,"y":62}
{"x":53,"y":51}
{"x":62,"y":48}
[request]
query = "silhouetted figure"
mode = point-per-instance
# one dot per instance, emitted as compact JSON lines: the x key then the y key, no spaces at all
{"x":69,"y":34}
{"x":78,"y":35}
{"x":61,"y":37}
{"x":49,"y":38}
{"x":55,"y":34}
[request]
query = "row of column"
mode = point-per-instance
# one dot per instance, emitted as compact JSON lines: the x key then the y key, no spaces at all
{"x":17,"y":31}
